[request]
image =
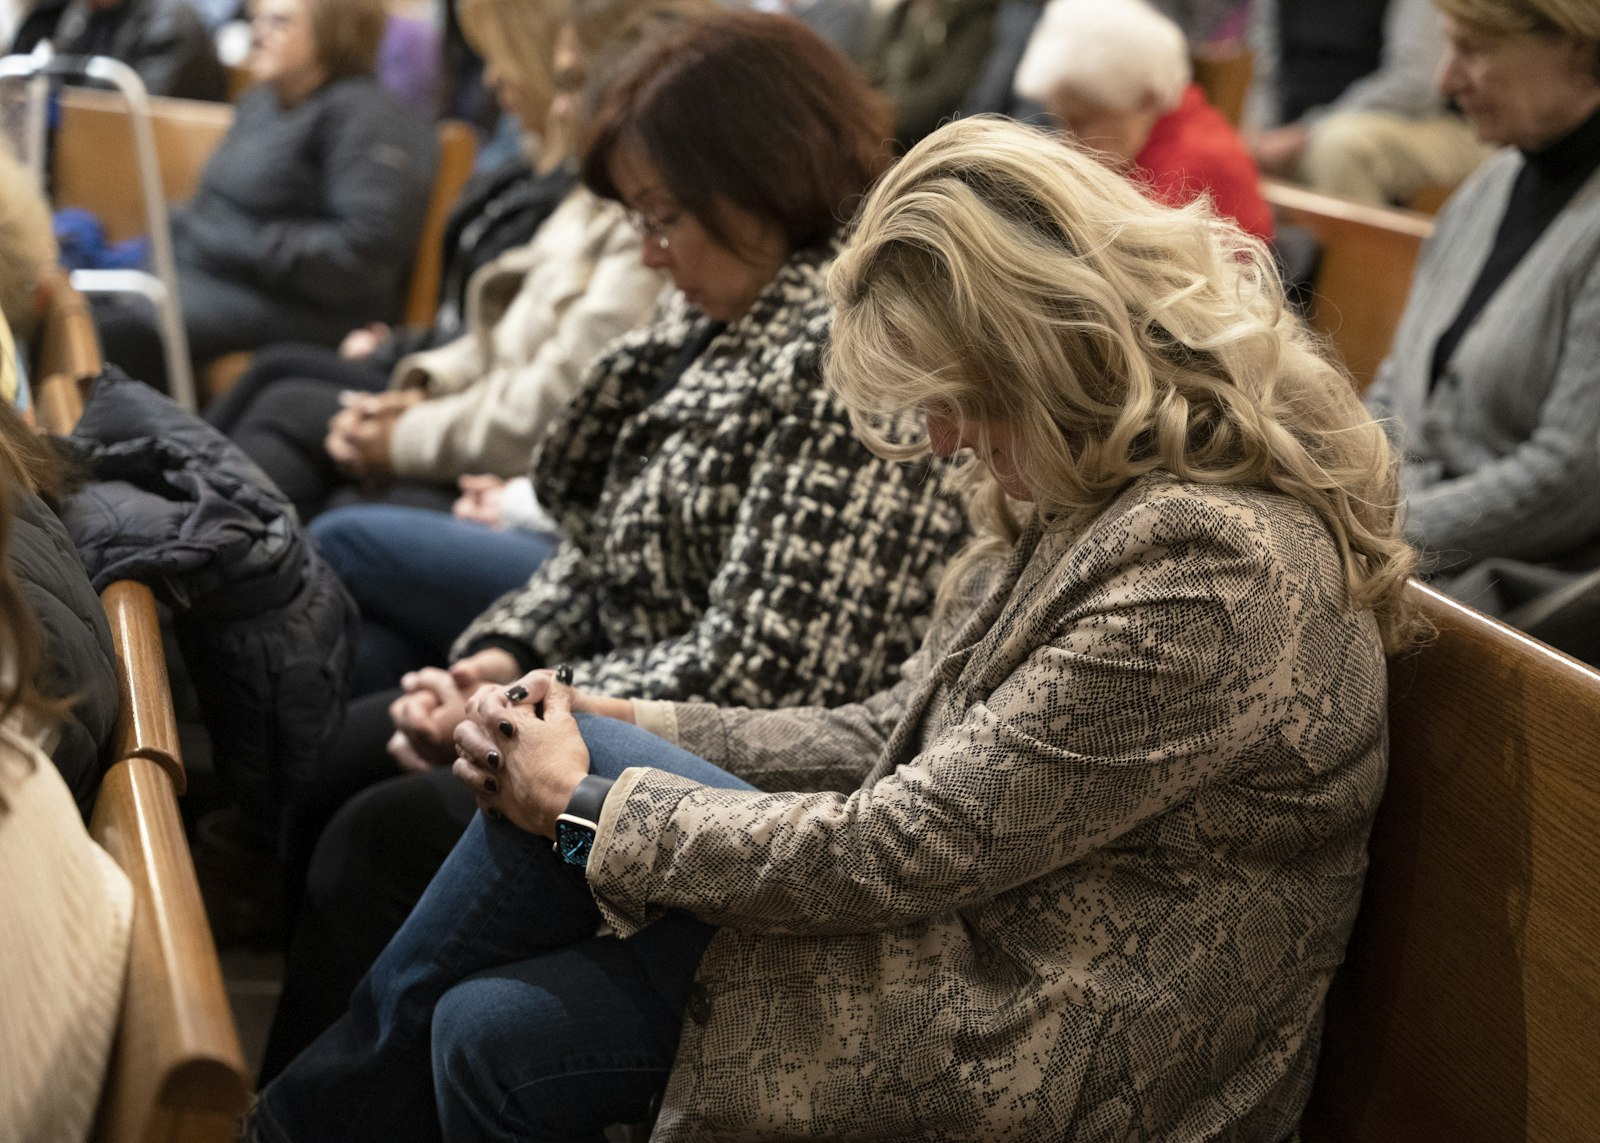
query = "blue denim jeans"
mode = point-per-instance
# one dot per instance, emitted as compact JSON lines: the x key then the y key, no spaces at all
{"x":420,"y":578}
{"x":496,"y":1012}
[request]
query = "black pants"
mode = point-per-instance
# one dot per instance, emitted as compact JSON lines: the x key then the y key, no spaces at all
{"x":278,"y":413}
{"x":370,"y":867}
{"x":220,"y":316}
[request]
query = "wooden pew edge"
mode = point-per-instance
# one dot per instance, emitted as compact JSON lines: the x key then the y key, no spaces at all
{"x":149,"y":726}
{"x":1290,"y":197}
{"x":177,"y":1068}
{"x":177,"y":1053}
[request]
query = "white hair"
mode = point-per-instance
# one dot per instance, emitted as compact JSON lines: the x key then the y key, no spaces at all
{"x":1117,"y":54}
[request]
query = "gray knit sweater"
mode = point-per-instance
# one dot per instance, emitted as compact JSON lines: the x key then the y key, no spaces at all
{"x":1503,"y":456}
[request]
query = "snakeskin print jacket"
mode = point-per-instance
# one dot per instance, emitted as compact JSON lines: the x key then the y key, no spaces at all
{"x":1083,"y":874}
{"x":728,"y":539}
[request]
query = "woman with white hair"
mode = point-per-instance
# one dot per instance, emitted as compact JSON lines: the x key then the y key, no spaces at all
{"x":1116,"y":74}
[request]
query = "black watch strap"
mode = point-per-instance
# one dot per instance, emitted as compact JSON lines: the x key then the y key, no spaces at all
{"x":575,"y":829}
{"x":589,"y":798}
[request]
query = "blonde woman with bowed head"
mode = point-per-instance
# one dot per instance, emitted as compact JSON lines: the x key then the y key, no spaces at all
{"x":1493,"y":382}
{"x":1085,"y":872}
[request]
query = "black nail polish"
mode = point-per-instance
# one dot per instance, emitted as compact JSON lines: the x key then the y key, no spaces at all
{"x":507,"y":729}
{"x":564,"y":675}
{"x":493,"y":759}
{"x":491,"y":785}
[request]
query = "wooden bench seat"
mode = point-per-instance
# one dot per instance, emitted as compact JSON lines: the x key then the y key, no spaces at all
{"x":1468,"y":1009}
{"x":1368,"y":255}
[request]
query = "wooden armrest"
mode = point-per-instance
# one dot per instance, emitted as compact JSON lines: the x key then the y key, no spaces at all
{"x":177,"y":1071}
{"x":149,"y":729}
{"x":59,"y":400}
{"x":67,"y":342}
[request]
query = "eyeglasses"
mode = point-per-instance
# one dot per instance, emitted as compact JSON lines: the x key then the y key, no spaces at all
{"x":654,"y":228}
{"x":273,"y":21}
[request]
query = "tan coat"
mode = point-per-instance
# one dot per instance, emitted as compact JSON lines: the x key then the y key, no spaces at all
{"x":536,"y":317}
{"x":1104,"y":849}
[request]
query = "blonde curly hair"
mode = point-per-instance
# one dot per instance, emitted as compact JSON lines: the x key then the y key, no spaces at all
{"x":997,"y":274}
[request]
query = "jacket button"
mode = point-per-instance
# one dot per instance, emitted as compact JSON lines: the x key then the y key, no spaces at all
{"x":699,"y":1004}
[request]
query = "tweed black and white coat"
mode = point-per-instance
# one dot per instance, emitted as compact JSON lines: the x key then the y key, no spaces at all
{"x":729,"y":539}
{"x":1086,"y":870}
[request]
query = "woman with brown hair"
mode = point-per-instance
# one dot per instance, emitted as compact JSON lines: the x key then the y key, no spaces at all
{"x":1085,"y":873}
{"x":724,"y":536}
{"x":307,"y":214}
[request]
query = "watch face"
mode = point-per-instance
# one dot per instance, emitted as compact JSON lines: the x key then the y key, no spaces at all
{"x":573,"y":842}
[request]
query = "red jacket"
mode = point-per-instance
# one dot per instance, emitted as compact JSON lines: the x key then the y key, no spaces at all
{"x":1192,"y":150}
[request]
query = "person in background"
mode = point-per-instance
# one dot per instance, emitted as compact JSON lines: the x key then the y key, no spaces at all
{"x":307,"y":215}
{"x":67,"y":912}
{"x":925,"y":55}
{"x":1116,"y":75}
{"x":723,"y":534}
{"x":1493,"y":382}
{"x":165,"y":41}
{"x":845,"y":24}
{"x":1344,"y":99}
{"x":535,"y":317}
{"x":408,"y":57}
{"x":1211,"y":26}
{"x":1084,"y":873}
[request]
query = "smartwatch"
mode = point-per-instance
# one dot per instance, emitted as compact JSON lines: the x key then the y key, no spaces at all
{"x":575,"y":829}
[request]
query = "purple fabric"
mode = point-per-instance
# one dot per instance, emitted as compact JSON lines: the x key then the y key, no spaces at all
{"x":408,"y":63}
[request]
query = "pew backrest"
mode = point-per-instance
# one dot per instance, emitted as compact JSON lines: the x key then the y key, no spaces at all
{"x":96,"y":167}
{"x":1468,"y":1008}
{"x":66,"y":354}
{"x":1368,"y":256}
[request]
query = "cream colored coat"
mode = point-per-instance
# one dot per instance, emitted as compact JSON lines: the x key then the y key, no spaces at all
{"x":65,"y":917}
{"x":536,"y":316}
{"x":1102,"y":851}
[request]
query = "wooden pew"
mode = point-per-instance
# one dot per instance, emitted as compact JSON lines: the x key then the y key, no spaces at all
{"x":1368,"y":255}
{"x":96,"y":166}
{"x":1468,"y":1009}
{"x":458,"y":150}
{"x":1226,"y":81}
{"x":177,"y":1072}
{"x":66,"y":354}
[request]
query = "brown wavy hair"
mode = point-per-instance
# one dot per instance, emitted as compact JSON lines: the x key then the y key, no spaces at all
{"x":752,"y":110}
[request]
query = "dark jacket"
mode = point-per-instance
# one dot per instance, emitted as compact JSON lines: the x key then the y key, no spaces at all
{"x":265,"y":628}
{"x":79,"y":660}
{"x":496,"y":211}
{"x":313,"y":210}
{"x":165,"y":41}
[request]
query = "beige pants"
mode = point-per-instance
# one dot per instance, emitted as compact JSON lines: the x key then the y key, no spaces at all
{"x":1380,"y":159}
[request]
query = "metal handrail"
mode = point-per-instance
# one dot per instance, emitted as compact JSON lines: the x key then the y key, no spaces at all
{"x":164,"y":289}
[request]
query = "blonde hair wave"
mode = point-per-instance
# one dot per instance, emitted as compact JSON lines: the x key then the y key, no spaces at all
{"x":1001,"y":275}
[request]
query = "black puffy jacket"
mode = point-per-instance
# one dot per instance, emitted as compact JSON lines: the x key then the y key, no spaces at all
{"x":79,"y":659}
{"x":265,"y":628}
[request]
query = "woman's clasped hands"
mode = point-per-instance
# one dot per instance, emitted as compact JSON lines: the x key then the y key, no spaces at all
{"x":520,"y":751}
